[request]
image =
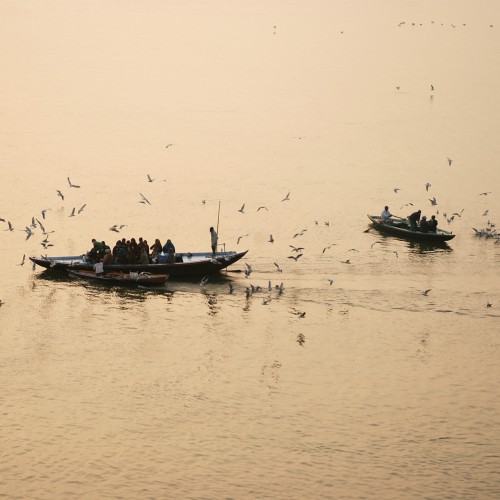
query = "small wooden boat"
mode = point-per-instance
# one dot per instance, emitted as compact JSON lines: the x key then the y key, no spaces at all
{"x":186,"y":265}
{"x":400,"y":227}
{"x":118,"y":278}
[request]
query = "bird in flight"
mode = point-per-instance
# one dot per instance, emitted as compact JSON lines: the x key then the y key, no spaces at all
{"x":262,"y":207}
{"x":239,"y":238}
{"x":242,"y":209}
{"x":60,"y":194}
{"x":204,"y":281}
{"x":248,"y":270}
{"x":168,"y":146}
{"x":80,"y":210}
{"x":450,"y":161}
{"x":72,"y":214}
{"x":278,"y":268}
{"x":296,"y":257}
{"x":271,"y":239}
{"x":11,"y":227}
{"x":22,"y":261}
{"x":144,"y":199}
{"x":287,"y":197}
{"x":72,"y":185}
{"x":331,"y":282}
{"x":426,"y":292}
{"x":149,"y":178}
{"x":427,"y":186}
{"x":345,"y":261}
{"x":296,"y":249}
{"x":114,"y":228}
{"x":433,"y":201}
{"x":397,"y":189}
{"x":485,"y":193}
{"x":44,"y":212}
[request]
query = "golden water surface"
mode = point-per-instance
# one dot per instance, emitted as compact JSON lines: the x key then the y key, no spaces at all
{"x":193,"y":392}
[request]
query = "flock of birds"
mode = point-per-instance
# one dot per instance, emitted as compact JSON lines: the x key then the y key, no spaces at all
{"x":296,"y":251}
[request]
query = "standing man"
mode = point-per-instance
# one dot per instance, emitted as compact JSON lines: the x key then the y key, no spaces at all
{"x":214,"y":240}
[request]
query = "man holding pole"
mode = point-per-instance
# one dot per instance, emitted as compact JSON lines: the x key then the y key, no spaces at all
{"x":214,"y":240}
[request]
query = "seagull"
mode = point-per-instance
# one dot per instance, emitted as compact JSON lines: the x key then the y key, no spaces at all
{"x":239,"y":238}
{"x":269,"y":286}
{"x":29,"y":233}
{"x":353,"y":250}
{"x":327,"y":248}
{"x":60,"y":194}
{"x":278,"y":268}
{"x":458,"y":214}
{"x":168,"y":145}
{"x":397,"y":189}
{"x":248,"y":292}
{"x":406,"y":205}
{"x":449,"y":161}
{"x":427,"y":186}
{"x":149,"y":178}
{"x":144,"y":199}
{"x":2,"y":220}
{"x":394,"y":251}
{"x":22,"y":261}
{"x":433,"y":201}
{"x":271,"y":239}
{"x":488,"y":304}
{"x":485,"y":193}
{"x":72,"y":185}
{"x":426,"y":292}
{"x":485,"y":213}
{"x":345,"y":261}
{"x":231,"y":288}
{"x":33,"y":223}
{"x":72,"y":214}
{"x":44,"y":211}
{"x":374,"y":243}
{"x":296,"y":249}
{"x":204,"y":281}
{"x":80,"y":210}
{"x":262,"y":207}
{"x":280,"y":288}
{"x":248,"y":270}
{"x":265,"y":302}
{"x":299,"y":234}
{"x":330,"y":282}
{"x":287,"y":197}
{"x":301,"y":314}
{"x":203,"y":202}
{"x":432,"y":87}
{"x":46,"y":245}
{"x":11,"y":227}
{"x":41,"y":226}
{"x":295,"y":257}
{"x":327,"y":223}
{"x":242,"y":209}
{"x":114,"y":228}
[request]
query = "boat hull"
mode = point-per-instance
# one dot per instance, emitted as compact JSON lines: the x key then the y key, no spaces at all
{"x":191,"y":266}
{"x":123,"y":279}
{"x":401,"y":229}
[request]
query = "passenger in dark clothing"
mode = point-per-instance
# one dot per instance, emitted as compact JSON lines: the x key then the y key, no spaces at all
{"x":424,"y":225}
{"x":433,"y":224}
{"x":414,"y":218}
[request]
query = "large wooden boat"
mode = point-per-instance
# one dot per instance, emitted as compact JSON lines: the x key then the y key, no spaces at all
{"x":400,"y":227}
{"x":119,"y":278}
{"x":187,"y":265}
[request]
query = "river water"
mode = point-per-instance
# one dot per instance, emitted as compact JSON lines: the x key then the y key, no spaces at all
{"x":193,"y":392}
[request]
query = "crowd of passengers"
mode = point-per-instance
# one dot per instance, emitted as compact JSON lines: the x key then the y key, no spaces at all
{"x":132,"y":252}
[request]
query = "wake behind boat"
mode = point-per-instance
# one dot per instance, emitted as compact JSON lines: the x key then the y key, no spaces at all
{"x":401,"y":228}
{"x":186,"y":265}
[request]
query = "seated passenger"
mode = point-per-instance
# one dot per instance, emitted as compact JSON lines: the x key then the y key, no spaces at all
{"x":168,"y":245}
{"x":108,"y":257}
{"x":143,"y":258}
{"x":433,"y":224}
{"x":156,"y":249}
{"x":424,"y":225}
{"x":386,"y":215}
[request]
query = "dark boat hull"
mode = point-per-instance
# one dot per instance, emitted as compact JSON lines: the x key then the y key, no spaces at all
{"x":192,"y":265}
{"x":123,"y":279}
{"x":402,"y":230}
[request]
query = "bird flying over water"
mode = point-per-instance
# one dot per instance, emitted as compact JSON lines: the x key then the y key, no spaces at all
{"x":426,"y":292}
{"x":149,"y":178}
{"x":295,"y":257}
{"x":278,"y":268}
{"x":11,"y":227}
{"x":287,"y":197}
{"x":144,"y":199}
{"x":242,"y":209}
{"x":72,"y":185}
{"x":450,"y":161}
{"x":22,"y":262}
{"x":72,"y":214}
{"x":485,"y":193}
{"x":239,"y":238}
{"x":271,"y":239}
{"x":296,"y":249}
{"x":433,"y":201}
{"x":397,"y":189}
{"x":60,"y":194}
{"x":262,"y":207}
{"x":80,"y":210}
{"x":427,"y":186}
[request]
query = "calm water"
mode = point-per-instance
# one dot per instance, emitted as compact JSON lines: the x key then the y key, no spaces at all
{"x":193,"y":392}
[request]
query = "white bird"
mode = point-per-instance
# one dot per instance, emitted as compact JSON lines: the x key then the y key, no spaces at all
{"x":287,"y":197}
{"x":29,"y":233}
{"x":426,"y":292}
{"x":41,"y":226}
{"x":80,"y":210}
{"x":60,"y":194}
{"x":427,"y":186}
{"x":278,"y":268}
{"x":149,"y":178}
{"x":433,"y":201}
{"x":248,"y":270}
{"x":330,"y":282}
{"x":122,"y":226}
{"x":144,"y":199}
{"x":72,"y":214}
{"x":397,"y":189}
{"x":296,"y":249}
{"x":301,"y":314}
{"x":485,"y":193}
{"x":204,"y":281}
{"x":114,"y":228}
{"x":271,"y":239}
{"x":242,"y":209}
{"x":72,"y":185}
{"x":295,"y":257}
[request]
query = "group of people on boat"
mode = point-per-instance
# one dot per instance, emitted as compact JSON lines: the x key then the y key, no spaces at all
{"x":132,"y":252}
{"x":415,"y":221}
